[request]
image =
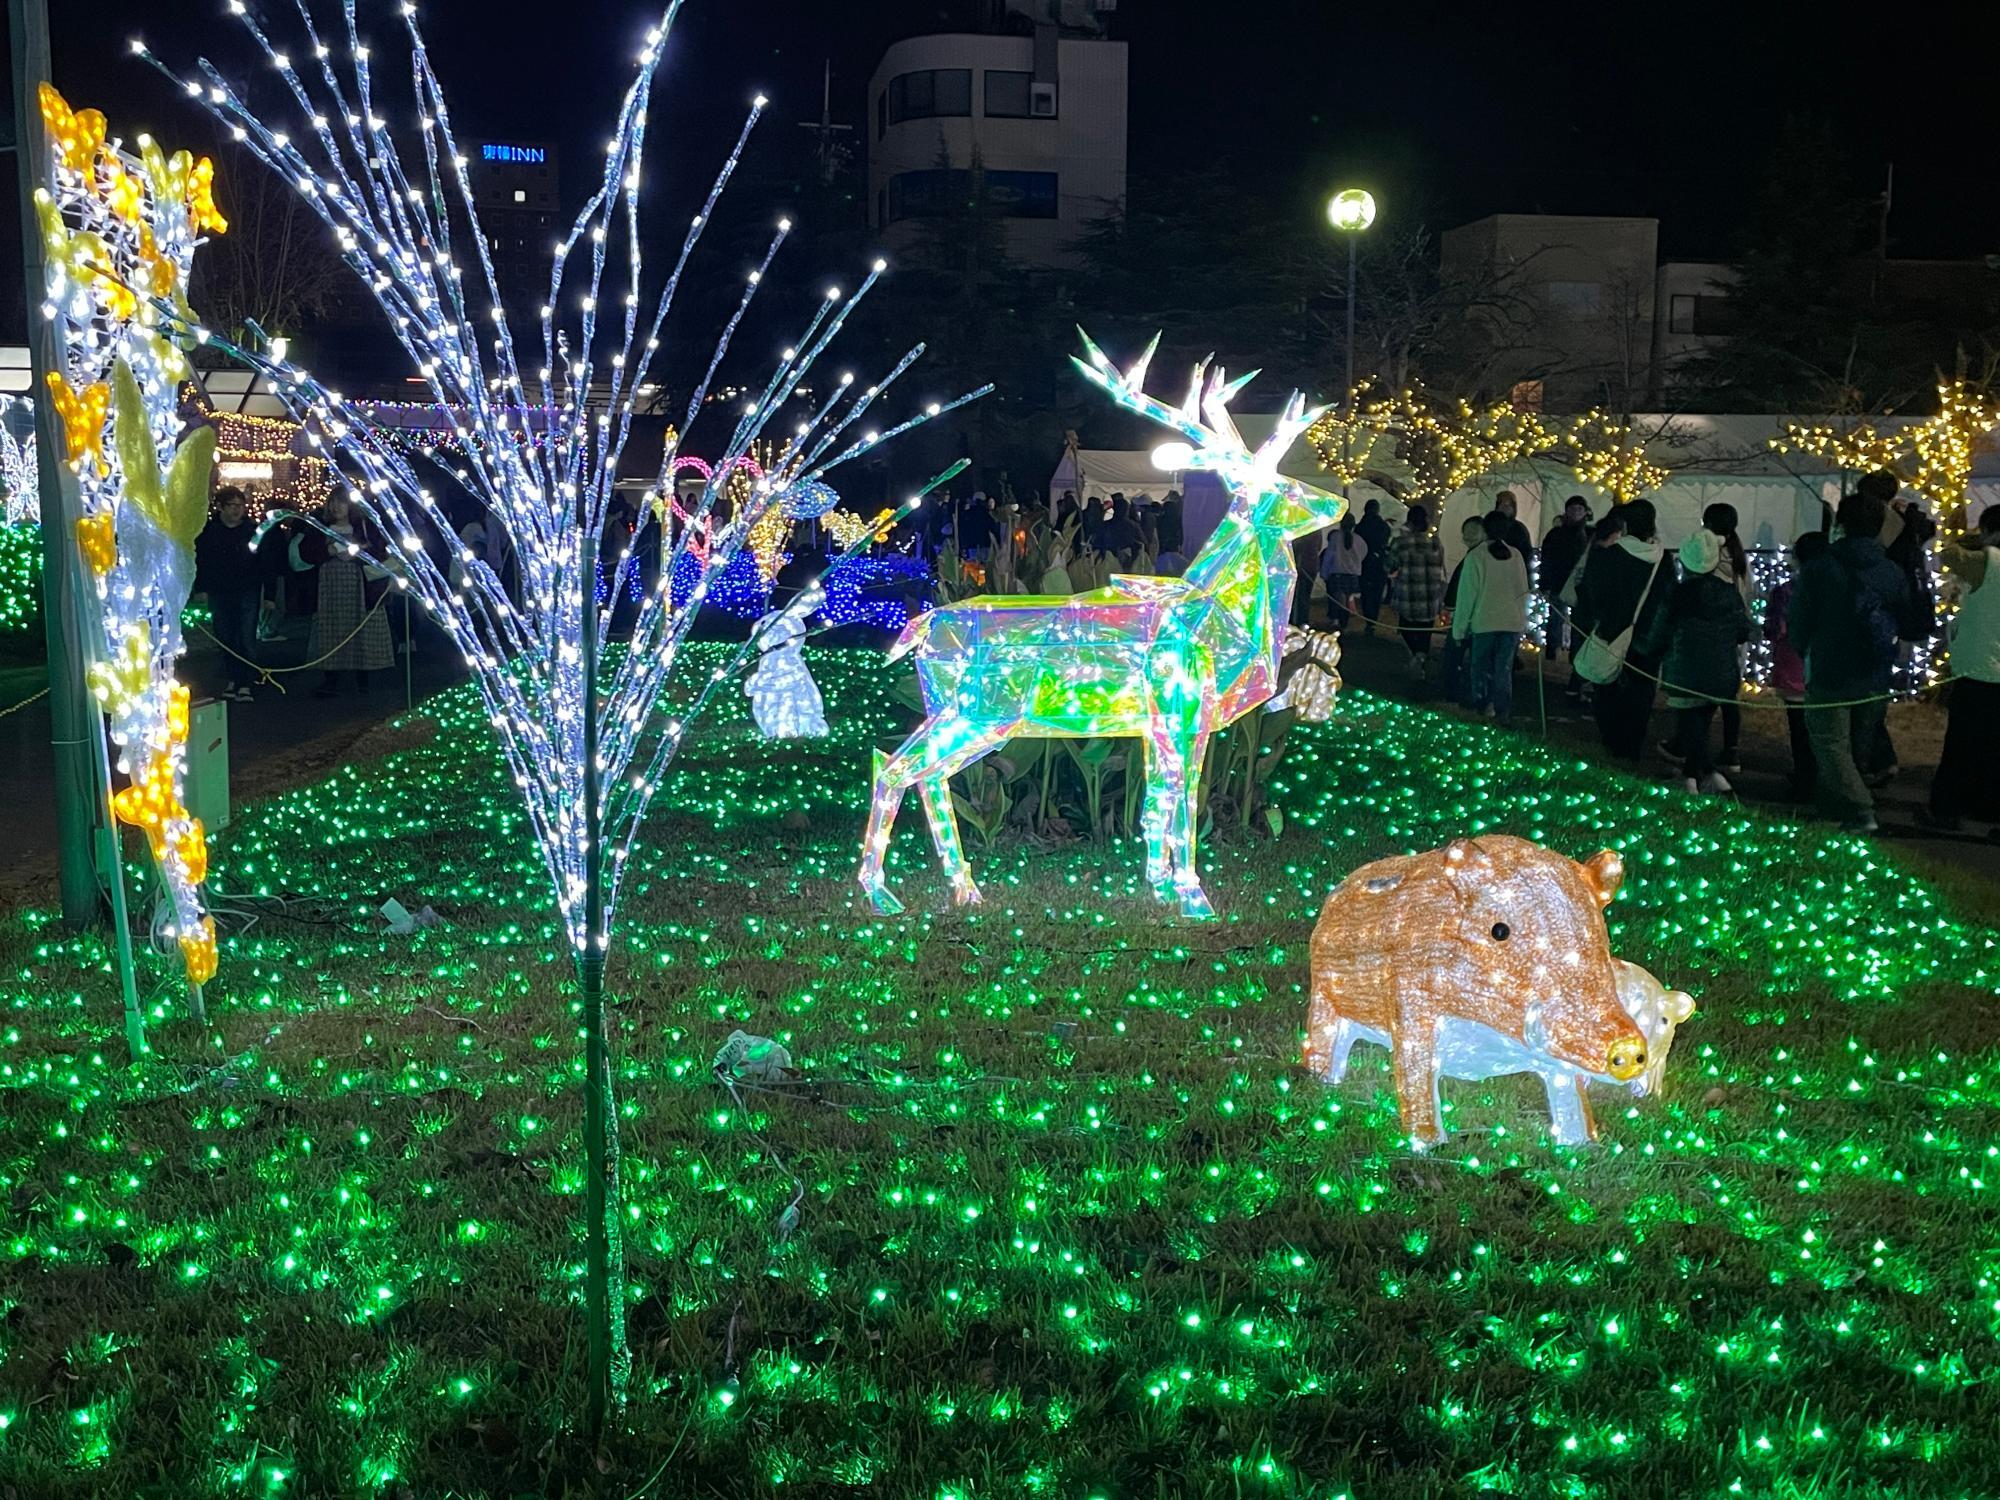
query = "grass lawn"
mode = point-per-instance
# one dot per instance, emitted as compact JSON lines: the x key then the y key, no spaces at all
{"x":1072,"y":1220}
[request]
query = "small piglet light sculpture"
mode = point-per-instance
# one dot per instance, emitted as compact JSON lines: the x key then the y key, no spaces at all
{"x":1485,"y":957}
{"x":1656,"y":1011}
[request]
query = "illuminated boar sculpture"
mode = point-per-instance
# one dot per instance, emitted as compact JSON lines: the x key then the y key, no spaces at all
{"x":1485,"y":957}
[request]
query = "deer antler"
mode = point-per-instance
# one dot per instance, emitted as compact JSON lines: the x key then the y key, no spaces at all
{"x":1292,"y":422}
{"x":1208,"y":395}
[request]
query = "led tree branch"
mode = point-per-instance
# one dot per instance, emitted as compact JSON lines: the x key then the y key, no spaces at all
{"x":587,"y":755}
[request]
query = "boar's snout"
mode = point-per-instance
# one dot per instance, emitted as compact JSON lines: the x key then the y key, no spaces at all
{"x":1626,"y":1058}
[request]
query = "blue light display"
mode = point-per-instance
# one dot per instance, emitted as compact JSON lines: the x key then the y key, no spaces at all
{"x":859,"y":590}
{"x":526,"y":155}
{"x":871,"y":591}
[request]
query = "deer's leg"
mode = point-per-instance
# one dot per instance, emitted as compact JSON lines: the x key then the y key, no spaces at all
{"x":1187,"y":879}
{"x":954,"y":745}
{"x":892,"y":778}
{"x":1156,"y":814}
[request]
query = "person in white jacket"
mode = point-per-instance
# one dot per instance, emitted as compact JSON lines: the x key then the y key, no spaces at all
{"x":1492,"y":616}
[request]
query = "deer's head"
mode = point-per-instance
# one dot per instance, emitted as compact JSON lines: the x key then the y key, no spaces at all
{"x":1209,"y":441}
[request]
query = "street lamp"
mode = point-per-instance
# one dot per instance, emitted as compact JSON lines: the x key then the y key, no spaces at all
{"x":1350,"y":212}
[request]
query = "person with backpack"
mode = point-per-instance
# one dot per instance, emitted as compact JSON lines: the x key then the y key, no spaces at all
{"x":1848,"y":616}
{"x":1491,"y":615}
{"x":1624,"y":587}
{"x":1964,"y":785}
{"x":1699,"y":635}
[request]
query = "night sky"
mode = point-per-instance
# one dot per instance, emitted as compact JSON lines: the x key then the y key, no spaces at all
{"x":1563,"y":109}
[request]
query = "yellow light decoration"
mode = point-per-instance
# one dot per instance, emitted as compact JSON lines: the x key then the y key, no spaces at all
{"x":119,"y":683}
{"x":767,"y":540}
{"x":1933,"y":457}
{"x":1486,"y":957}
{"x":201,"y":197}
{"x":97,"y":540}
{"x":82,"y":413}
{"x":190,"y":850}
{"x":847,"y":529}
{"x":124,"y":194}
{"x":1604,"y":454}
{"x":1447,"y":450}
{"x":179,"y":719}
{"x":198,"y":952}
{"x":77,"y":136}
{"x":152,"y":803}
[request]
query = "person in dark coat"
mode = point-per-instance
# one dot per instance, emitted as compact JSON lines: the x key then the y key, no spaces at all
{"x":1848,"y":611}
{"x":228,"y":569}
{"x":1697,"y":636}
{"x":1562,"y":550}
{"x":1375,"y":570}
{"x":1509,"y":505}
{"x":1626,"y":583}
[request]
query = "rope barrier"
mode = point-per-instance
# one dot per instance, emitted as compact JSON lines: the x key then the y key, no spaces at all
{"x":268,"y":676}
{"x":14,"y":708}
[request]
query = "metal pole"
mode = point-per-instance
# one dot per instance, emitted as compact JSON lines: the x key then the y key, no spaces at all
{"x":409,"y":656}
{"x":1353,"y":256}
{"x":74,"y":725}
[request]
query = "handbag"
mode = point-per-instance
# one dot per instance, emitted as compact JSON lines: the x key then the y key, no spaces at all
{"x":1600,"y":661}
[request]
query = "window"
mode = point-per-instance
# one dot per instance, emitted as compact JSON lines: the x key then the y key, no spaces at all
{"x":881,"y":113}
{"x":1022,"y":195}
{"x":944,"y":190}
{"x":1007,"y":94}
{"x":1714,"y":316}
{"x":1577,"y":298}
{"x":520,"y":195}
{"x":1680,"y":313}
{"x":931,"y":94}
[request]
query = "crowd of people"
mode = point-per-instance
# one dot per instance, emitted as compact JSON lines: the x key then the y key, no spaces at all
{"x":1632,"y":619}
{"x":1637,"y":621}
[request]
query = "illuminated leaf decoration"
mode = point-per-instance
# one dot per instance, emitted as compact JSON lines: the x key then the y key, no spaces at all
{"x":201,"y":197}
{"x":97,"y":540}
{"x":179,"y":507}
{"x":77,"y":136}
{"x":82,"y":414}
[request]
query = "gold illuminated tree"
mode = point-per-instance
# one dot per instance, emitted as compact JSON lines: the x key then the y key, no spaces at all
{"x":1933,"y":457}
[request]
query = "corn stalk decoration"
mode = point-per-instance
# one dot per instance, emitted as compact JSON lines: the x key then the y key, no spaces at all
{"x":120,"y":233}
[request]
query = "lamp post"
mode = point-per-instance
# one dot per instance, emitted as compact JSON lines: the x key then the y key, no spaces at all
{"x":1351,"y":211}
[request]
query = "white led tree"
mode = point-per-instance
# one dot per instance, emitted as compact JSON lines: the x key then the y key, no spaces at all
{"x":543,"y":422}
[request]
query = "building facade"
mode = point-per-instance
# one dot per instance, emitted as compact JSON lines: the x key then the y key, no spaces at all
{"x":1042,"y":116}
{"x":1568,"y":301}
{"x":516,"y":186}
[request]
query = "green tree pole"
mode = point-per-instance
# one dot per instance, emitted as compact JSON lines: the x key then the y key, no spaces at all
{"x":73,"y":717}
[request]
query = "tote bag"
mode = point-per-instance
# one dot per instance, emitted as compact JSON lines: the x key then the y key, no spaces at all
{"x":1600,"y":661}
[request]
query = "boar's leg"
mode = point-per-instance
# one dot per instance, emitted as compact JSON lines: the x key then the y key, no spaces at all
{"x":1570,"y":1119}
{"x":1417,"y":1080}
{"x":1330,"y":1036}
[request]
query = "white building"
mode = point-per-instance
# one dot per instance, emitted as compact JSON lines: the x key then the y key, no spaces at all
{"x":1690,"y":312}
{"x":1044,"y":115}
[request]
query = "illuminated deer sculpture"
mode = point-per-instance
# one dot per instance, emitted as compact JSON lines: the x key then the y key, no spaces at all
{"x":1166,"y":660}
